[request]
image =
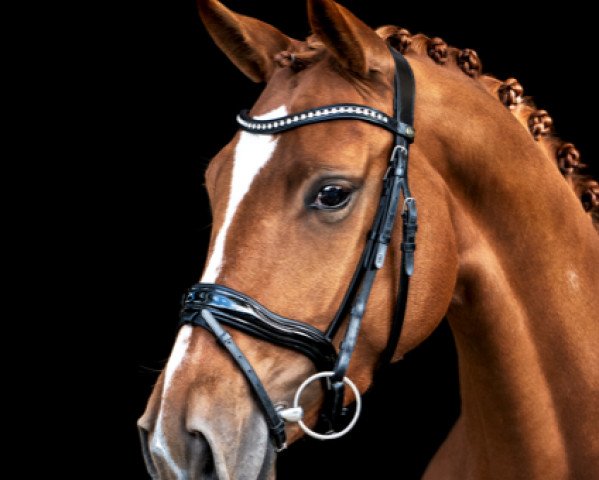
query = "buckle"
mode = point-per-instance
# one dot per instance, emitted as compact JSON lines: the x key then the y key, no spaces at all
{"x":193,"y":296}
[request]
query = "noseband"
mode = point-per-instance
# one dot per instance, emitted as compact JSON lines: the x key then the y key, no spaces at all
{"x":210,"y":306}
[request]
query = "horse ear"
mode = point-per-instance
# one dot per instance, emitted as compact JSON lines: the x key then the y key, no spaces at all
{"x":249,"y":43}
{"x":354,"y":44}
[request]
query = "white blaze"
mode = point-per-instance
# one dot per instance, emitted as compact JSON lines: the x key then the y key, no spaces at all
{"x":159,"y":445}
{"x":252,"y":152}
{"x":177,"y":355}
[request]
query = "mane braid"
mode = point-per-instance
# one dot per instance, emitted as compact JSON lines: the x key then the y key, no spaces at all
{"x":509,"y":92}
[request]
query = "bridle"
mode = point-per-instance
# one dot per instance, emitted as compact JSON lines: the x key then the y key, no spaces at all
{"x":210,"y":306}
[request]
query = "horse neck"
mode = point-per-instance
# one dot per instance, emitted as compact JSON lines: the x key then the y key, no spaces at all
{"x":524,"y":312}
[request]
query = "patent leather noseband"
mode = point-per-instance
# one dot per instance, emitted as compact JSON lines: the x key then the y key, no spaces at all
{"x":243,"y":313}
{"x":213,"y":306}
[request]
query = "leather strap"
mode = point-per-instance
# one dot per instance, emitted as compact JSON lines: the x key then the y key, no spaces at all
{"x":405,"y":96}
{"x":243,"y":313}
{"x":395,"y":183}
{"x":275,"y":423}
{"x":405,"y":89}
{"x":404,"y":102}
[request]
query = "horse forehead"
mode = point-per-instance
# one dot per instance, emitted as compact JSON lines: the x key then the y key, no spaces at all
{"x":338,"y":147}
{"x":319,"y":84}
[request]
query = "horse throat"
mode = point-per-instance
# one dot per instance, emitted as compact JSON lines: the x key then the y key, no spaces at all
{"x":525,"y":322}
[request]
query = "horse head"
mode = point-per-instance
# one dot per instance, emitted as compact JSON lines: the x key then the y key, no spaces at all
{"x":292,"y":211}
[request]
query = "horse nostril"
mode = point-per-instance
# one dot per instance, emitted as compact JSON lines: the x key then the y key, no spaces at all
{"x":144,"y":438}
{"x":201,"y":458}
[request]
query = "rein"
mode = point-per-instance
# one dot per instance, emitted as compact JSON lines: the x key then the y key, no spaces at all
{"x":209,"y":305}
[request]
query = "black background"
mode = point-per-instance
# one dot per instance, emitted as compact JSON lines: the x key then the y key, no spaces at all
{"x":168,"y":76}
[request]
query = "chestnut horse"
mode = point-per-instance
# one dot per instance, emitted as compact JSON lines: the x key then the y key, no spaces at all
{"x":496,"y":256}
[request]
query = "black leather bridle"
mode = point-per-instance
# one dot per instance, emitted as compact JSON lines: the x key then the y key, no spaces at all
{"x":210,"y":305}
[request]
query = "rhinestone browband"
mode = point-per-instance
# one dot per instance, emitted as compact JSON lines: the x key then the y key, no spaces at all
{"x":345,"y":111}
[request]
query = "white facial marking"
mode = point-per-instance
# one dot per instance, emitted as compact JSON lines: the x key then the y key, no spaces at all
{"x":160,"y":448}
{"x":252,"y":152}
{"x":177,"y":355}
{"x":159,"y":445}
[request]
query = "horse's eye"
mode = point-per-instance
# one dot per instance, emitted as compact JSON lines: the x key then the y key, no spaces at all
{"x":332,"y":197}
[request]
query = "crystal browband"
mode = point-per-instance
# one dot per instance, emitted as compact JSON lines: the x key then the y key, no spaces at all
{"x":342,"y":111}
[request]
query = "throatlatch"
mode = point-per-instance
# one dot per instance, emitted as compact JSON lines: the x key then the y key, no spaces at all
{"x":209,"y":305}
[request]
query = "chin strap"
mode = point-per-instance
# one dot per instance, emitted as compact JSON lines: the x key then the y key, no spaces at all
{"x":275,"y":423}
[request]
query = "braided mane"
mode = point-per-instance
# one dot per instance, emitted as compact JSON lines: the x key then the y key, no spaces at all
{"x":509,"y":92}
